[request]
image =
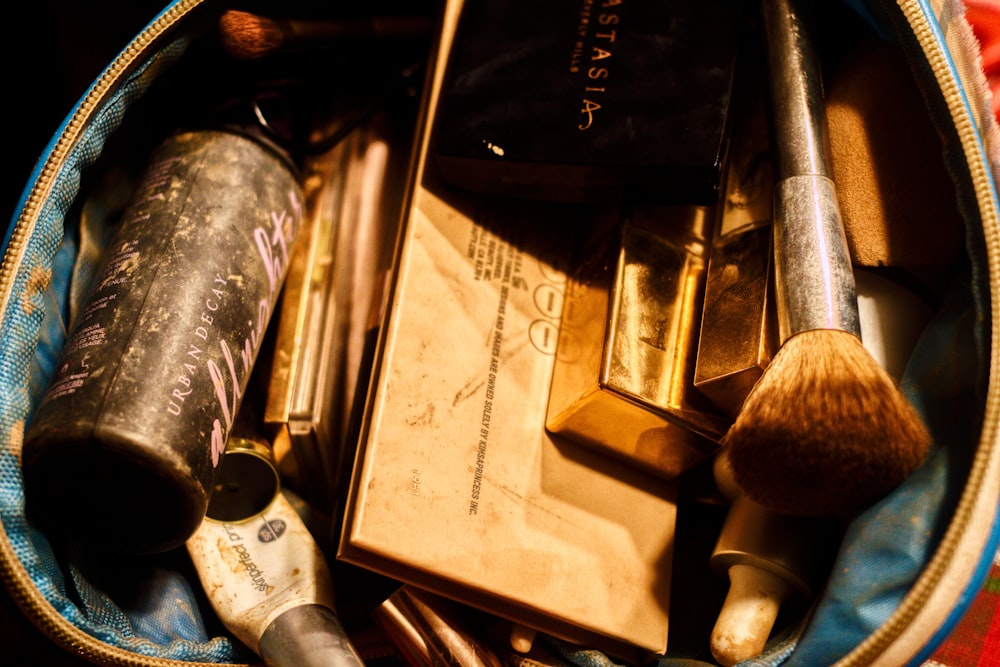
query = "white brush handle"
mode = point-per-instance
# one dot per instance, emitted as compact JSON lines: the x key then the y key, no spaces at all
{"x":748,"y":614}
{"x":814,"y":279}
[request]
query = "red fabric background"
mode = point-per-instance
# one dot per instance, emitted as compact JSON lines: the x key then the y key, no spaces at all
{"x":984,"y":16}
{"x":975,"y":642}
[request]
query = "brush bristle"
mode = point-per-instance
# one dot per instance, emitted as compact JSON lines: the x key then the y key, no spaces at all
{"x":825,"y":431}
{"x":248,"y":36}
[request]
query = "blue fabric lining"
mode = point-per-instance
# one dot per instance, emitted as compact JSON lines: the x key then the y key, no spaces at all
{"x":885,"y":548}
{"x":167,"y":622}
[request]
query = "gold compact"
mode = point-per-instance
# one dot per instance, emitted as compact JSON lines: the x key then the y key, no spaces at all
{"x":623,"y":376}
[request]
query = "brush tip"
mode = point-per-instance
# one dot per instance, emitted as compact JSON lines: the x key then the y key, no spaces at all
{"x":748,"y":614}
{"x":825,"y":432}
{"x":248,"y":36}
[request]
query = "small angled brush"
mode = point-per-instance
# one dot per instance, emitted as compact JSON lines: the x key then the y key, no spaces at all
{"x":250,"y":36}
{"x":825,"y":431}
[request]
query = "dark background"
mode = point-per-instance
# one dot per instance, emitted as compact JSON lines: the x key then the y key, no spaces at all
{"x":52,"y":51}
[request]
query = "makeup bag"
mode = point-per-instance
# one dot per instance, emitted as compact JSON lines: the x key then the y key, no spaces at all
{"x":908,"y":567}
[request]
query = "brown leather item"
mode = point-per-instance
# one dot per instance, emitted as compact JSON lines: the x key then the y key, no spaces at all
{"x":896,"y":199}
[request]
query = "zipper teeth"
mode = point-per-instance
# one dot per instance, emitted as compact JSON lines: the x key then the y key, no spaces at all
{"x":21,"y":588}
{"x":74,"y":639}
{"x":28,"y":216}
{"x":66,"y":635}
{"x":930,"y":578}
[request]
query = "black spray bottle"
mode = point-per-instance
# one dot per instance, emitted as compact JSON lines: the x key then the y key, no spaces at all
{"x":124,"y":446}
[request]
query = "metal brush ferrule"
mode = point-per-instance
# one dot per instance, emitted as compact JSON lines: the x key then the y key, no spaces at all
{"x":814,"y":280}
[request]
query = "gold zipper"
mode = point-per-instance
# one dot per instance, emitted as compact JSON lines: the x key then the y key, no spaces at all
{"x":934,"y":572}
{"x":63,"y":633}
{"x":78,"y":642}
{"x":26,"y":221}
{"x":16,"y":579}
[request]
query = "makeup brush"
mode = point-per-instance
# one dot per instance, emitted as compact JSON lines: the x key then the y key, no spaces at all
{"x":825,"y":430}
{"x":251,"y":36}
